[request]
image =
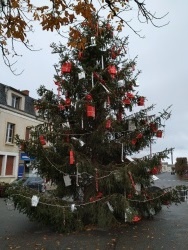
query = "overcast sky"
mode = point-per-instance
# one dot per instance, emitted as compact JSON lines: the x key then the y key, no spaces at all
{"x":162,"y":58}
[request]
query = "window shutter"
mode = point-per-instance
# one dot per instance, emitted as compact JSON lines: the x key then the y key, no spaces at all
{"x":9,"y":165}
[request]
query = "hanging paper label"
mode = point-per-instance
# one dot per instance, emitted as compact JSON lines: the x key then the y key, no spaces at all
{"x":67,"y":180}
{"x":132,"y":126}
{"x":138,"y":188}
{"x":93,"y":41}
{"x":110,"y":207}
{"x":81,"y":75}
{"x":34,"y":201}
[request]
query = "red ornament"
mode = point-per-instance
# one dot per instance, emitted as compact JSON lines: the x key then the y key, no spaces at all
{"x":66,"y":67}
{"x":154,"y":171}
{"x":42,"y":140}
{"x":89,"y":97}
{"x":133,"y":141}
{"x":153,"y":127}
{"x":139,"y":136}
{"x":71,"y":157}
{"x":136,"y":218}
{"x":90,"y":111}
{"x":141,"y":101}
{"x":127,"y":101}
{"x":159,"y":133}
{"x":112,"y":70}
{"x":108,"y":124}
{"x":68,"y":101}
{"x":130,"y":95}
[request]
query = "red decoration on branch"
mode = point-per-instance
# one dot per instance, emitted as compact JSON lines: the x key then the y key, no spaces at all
{"x":66,"y":67}
{"x":153,"y":127}
{"x":90,"y":111}
{"x":139,"y":136}
{"x":127,"y":101}
{"x":136,"y":218}
{"x":108,"y":124}
{"x":89,"y":97}
{"x":141,"y":101}
{"x":112,"y":70}
{"x":68,"y":101}
{"x":130,"y":95}
{"x":42,"y":140}
{"x":154,"y":171}
{"x":133,"y":141}
{"x":71,"y":157}
{"x":159,"y":133}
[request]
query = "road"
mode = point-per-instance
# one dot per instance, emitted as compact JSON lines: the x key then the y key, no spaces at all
{"x":168,"y":180}
{"x":167,"y":231}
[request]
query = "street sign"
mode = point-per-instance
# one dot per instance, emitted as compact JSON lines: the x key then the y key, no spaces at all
{"x":25,"y":157}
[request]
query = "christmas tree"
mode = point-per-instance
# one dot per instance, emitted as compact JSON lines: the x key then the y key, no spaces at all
{"x":88,"y":135}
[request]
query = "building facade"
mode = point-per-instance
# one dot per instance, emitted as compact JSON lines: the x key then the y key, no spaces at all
{"x":17,"y":116}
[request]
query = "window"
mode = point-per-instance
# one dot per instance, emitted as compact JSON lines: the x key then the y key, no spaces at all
{"x":9,"y":165}
{"x":27,"y":133}
{"x":10,"y":132}
{"x":1,"y":164}
{"x":16,"y":101}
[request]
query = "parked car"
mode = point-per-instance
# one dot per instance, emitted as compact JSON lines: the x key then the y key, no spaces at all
{"x":35,"y":182}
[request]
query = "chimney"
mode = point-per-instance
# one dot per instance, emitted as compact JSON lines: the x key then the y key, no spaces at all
{"x":25,"y":92}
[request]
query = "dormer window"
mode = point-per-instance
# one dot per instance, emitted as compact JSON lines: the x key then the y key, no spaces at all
{"x":16,"y":100}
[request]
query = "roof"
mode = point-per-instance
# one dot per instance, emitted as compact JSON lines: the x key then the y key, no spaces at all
{"x":2,"y":94}
{"x":29,"y":101}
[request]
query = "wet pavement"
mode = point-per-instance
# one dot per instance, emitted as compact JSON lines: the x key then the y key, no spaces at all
{"x":168,"y":230}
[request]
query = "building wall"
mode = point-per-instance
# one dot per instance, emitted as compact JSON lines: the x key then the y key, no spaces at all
{"x":166,"y":167}
{"x":22,"y":118}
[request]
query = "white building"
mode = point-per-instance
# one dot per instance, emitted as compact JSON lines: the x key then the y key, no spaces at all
{"x":17,"y":115}
{"x":166,"y":167}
